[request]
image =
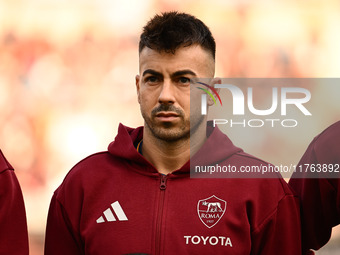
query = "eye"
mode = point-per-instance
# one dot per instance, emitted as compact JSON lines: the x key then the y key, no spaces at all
{"x":151,"y":79}
{"x":184,"y":80}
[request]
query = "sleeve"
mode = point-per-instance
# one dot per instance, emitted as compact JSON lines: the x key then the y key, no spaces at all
{"x":320,"y":209}
{"x":13,"y":225}
{"x":61,"y":238}
{"x":279,"y":233}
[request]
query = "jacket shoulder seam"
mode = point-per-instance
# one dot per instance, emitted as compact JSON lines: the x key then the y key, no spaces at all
{"x":270,"y":215}
{"x":81,"y":161}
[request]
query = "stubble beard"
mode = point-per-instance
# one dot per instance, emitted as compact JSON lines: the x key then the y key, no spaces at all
{"x":169,"y":132}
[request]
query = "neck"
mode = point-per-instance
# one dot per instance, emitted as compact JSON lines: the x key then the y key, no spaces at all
{"x":167,"y":156}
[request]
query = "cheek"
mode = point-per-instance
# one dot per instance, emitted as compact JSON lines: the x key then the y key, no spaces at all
{"x":146,"y":100}
{"x":195,"y":101}
{"x":184,"y":103}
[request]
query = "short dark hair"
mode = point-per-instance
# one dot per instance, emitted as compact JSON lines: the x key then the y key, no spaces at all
{"x":171,"y":30}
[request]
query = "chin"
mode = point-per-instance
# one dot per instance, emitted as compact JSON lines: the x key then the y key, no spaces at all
{"x":171,"y":134}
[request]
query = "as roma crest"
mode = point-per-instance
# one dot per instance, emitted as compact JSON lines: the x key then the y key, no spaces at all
{"x":211,"y":210}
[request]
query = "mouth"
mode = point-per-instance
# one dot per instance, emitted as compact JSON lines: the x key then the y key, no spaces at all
{"x":167,"y":116}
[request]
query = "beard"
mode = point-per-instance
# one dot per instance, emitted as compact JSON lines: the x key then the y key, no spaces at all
{"x":169,"y":131}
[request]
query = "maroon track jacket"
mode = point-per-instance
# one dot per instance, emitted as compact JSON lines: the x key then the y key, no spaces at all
{"x":116,"y":202}
{"x":320,"y":196}
{"x":13,"y":226}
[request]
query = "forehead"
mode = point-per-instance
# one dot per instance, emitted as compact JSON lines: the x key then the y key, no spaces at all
{"x":193,"y":58}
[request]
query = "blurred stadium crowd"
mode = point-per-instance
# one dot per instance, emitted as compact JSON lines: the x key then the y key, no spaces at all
{"x":67,"y":72}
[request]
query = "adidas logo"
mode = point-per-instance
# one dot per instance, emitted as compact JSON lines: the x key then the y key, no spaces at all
{"x":108,"y":214}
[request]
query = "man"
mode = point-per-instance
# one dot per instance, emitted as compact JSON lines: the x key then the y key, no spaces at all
{"x":317,"y":183}
{"x":138,"y":196}
{"x":13,"y":226}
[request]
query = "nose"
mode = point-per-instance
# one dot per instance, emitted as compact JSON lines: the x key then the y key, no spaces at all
{"x":167,"y":94}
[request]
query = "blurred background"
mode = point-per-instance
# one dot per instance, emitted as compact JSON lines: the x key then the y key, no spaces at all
{"x":67,"y":76}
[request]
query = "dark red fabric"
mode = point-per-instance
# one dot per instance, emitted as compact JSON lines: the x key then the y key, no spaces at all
{"x":13,"y":226}
{"x":261,"y":215}
{"x":320,"y":197}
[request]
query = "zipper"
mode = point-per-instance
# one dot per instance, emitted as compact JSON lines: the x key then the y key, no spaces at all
{"x":162,"y":188}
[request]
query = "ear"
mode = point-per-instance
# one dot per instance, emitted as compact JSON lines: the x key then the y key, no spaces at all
{"x":214,"y":81}
{"x":138,"y":87}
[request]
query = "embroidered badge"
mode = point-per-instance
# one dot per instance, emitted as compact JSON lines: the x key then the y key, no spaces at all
{"x":211,"y":210}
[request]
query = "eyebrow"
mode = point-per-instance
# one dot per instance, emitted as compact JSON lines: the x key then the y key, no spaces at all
{"x":152,"y":72}
{"x":183,"y":72}
{"x":175,"y":74}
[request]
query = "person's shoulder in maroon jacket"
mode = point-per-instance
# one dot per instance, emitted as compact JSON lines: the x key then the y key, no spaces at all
{"x":13,"y":226}
{"x":317,"y":183}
